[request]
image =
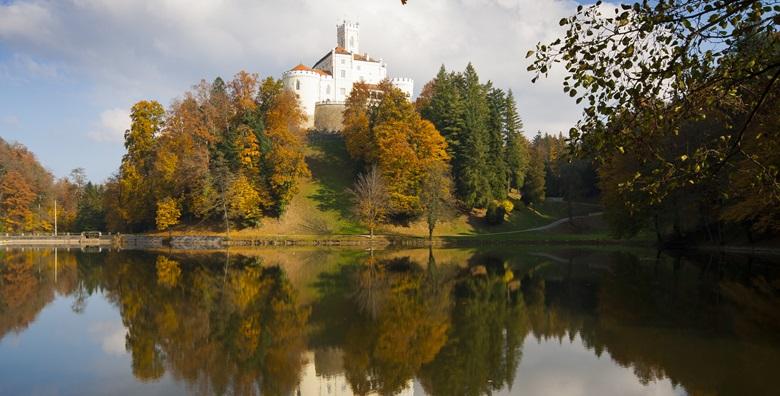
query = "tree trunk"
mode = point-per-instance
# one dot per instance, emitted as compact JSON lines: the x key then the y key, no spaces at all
{"x":227,"y":221}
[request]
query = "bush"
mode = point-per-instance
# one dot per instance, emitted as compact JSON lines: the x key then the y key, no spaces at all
{"x":495,"y":213}
{"x":507,"y":205}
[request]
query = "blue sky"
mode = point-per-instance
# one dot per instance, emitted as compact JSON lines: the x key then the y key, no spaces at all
{"x":70,"y":69}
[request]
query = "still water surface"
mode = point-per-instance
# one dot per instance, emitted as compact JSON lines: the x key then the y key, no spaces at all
{"x":414,"y":322}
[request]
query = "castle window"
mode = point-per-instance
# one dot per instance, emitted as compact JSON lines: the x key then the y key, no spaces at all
{"x":351,"y":41}
{"x":343,"y":74}
{"x":343,"y":91}
{"x":327,"y":89}
{"x":343,"y":61}
{"x":298,"y":84}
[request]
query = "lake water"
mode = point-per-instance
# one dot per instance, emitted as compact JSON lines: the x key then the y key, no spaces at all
{"x":531,"y":321}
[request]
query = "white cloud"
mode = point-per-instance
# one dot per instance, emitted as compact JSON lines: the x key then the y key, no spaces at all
{"x":111,"y":335}
{"x":111,"y":127}
{"x":156,"y":49}
{"x":566,"y":368}
{"x":25,"y":20}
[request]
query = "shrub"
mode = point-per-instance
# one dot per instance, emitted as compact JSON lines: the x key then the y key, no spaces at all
{"x":495,"y":213}
{"x":507,"y":205}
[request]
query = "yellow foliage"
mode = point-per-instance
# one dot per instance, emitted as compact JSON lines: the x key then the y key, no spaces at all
{"x":243,"y":90}
{"x":285,"y":158}
{"x":249,"y":149}
{"x":507,"y":205}
{"x":168,"y":271}
{"x":168,"y":213}
{"x":244,"y":201}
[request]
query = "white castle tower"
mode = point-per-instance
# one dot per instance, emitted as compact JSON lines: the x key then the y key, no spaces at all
{"x":323,"y":87}
{"x":348,"y":36}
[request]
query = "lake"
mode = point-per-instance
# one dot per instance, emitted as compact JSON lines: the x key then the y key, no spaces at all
{"x":303,"y":321}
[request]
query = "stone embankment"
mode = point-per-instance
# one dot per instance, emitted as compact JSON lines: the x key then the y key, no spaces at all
{"x":68,"y":240}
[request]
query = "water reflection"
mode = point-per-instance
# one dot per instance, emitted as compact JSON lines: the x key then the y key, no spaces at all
{"x":447,"y":322}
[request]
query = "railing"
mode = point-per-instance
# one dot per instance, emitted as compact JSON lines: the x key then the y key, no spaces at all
{"x":333,"y":102}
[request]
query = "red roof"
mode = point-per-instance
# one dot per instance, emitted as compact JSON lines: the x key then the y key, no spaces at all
{"x":301,"y":67}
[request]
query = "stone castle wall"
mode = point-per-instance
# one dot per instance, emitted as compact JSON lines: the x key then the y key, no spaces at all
{"x":328,"y":117}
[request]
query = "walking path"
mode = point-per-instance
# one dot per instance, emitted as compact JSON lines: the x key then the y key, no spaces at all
{"x":546,"y":227}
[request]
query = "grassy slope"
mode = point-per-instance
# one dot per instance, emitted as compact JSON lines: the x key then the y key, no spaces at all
{"x":322,"y":207}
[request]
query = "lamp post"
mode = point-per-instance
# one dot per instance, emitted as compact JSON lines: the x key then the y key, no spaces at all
{"x":55,"y":217}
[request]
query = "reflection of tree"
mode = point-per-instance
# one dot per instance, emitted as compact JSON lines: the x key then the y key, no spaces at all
{"x":663,"y":320}
{"x":168,"y":271}
{"x":402,"y":324}
{"x":240,"y":329}
{"x":27,"y":285}
{"x":489,"y":324}
{"x":240,"y":332}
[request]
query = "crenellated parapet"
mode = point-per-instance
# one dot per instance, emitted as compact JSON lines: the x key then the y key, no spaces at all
{"x":405,"y":84}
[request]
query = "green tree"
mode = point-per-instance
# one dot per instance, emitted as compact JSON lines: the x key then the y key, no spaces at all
{"x":517,"y":156}
{"x":497,"y":129}
{"x":471,"y":173}
{"x":91,"y":214}
{"x":533,"y":190}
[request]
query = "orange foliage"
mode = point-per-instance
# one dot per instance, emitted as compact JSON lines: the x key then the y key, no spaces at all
{"x":16,"y":198}
{"x":392,"y":134}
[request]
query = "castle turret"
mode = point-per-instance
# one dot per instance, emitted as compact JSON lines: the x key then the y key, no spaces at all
{"x":348,"y":34}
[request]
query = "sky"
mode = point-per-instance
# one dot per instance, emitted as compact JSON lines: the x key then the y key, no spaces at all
{"x":71,"y":69}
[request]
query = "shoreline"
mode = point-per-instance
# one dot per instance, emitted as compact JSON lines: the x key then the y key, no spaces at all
{"x":192,"y":242}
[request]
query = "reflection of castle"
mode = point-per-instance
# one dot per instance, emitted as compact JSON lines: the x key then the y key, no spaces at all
{"x":323,"y":374}
{"x":323,"y":88}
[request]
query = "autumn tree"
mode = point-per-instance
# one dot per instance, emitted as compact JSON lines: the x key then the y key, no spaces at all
{"x":382,"y":127}
{"x":135,"y":195}
{"x":370,"y":195}
{"x":646,"y":73}
{"x":284,"y":158}
{"x":228,"y":151}
{"x":168,"y":214}
{"x":16,"y":198}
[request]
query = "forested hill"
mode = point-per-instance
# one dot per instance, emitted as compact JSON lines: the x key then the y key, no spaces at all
{"x":28,"y":192}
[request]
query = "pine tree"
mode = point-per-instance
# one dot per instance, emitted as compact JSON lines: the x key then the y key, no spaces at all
{"x":516,"y":153}
{"x":496,"y":128}
{"x":471,"y":172}
{"x":533,"y":189}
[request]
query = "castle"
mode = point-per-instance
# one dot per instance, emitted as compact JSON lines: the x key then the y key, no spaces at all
{"x":323,"y":88}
